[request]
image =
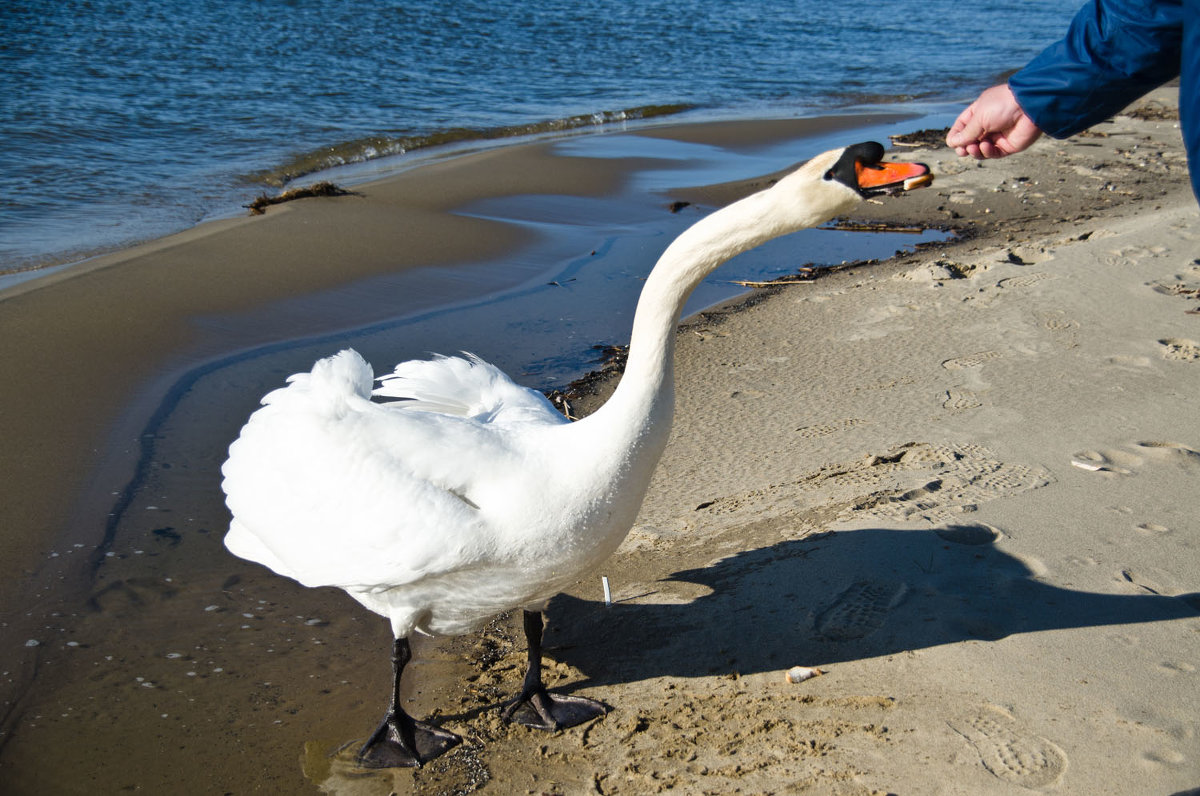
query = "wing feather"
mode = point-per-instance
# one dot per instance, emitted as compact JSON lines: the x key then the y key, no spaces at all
{"x":467,"y":387}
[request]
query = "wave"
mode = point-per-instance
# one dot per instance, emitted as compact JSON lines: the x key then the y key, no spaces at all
{"x":364,"y":149}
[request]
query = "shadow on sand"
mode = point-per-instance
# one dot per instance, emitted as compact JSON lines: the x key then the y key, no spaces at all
{"x":837,"y":597}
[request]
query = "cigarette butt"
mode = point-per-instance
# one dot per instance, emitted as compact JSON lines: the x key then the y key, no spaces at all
{"x":607,"y":591}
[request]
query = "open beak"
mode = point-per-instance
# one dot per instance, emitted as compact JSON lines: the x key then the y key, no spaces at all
{"x":879,"y":178}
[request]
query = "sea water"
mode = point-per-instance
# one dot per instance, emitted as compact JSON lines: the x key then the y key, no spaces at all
{"x":123,"y":121}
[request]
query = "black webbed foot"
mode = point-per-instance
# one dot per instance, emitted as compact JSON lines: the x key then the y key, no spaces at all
{"x":543,"y":710}
{"x":403,"y":742}
{"x":535,"y":706}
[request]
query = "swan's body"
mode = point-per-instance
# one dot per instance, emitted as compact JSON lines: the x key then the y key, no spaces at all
{"x":485,"y":482}
{"x":469,"y":495}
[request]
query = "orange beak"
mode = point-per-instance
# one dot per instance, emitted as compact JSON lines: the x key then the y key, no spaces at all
{"x":875,"y":178}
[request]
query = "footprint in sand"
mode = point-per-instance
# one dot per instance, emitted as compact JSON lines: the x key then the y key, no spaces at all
{"x":826,"y":429}
{"x":1139,"y":582}
{"x":1173,"y":452}
{"x":1057,"y":321}
{"x":1006,"y":479}
{"x":130,"y":594}
{"x":860,"y":610}
{"x":1180,"y":288}
{"x":960,"y":399}
{"x":1130,"y":256}
{"x":975,"y":533}
{"x":971,"y":360}
{"x":1061,"y":325}
{"x":1180,"y":349}
{"x":931,"y":273}
{"x":1151,"y":582}
{"x":1024,"y":280}
{"x":1010,"y":753}
{"x":1177,"y":667}
{"x":1126,"y":462}
{"x":1118,"y":462}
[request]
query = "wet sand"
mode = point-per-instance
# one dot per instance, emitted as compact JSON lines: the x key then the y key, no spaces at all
{"x":961,"y":481}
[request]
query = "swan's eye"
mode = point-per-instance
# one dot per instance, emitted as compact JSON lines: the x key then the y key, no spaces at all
{"x":829,"y":174}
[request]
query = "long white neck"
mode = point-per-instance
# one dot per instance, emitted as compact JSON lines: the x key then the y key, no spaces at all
{"x":645,"y":396}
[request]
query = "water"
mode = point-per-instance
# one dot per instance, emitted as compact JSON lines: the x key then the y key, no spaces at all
{"x":123,"y":121}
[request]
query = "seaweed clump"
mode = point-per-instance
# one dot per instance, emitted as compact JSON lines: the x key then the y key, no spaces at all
{"x":260,"y":205}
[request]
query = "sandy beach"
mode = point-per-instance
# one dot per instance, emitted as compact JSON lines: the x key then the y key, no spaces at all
{"x":962,"y":481}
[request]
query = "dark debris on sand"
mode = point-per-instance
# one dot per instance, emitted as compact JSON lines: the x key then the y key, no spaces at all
{"x":260,"y":205}
{"x":1154,"y":111}
{"x":924,"y":139}
{"x":612,"y":363}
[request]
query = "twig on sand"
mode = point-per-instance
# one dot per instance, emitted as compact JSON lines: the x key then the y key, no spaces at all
{"x":772,"y":283}
{"x":873,"y":226}
{"x":803,"y":275}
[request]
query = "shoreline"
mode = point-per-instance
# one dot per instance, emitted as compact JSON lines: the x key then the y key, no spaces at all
{"x":740,"y":130}
{"x":882,"y":423}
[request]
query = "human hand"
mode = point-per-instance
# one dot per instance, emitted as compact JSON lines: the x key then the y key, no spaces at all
{"x":992,"y":126}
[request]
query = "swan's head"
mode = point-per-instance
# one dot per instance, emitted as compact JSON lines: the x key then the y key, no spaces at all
{"x":862,"y":168}
{"x":834,"y":182}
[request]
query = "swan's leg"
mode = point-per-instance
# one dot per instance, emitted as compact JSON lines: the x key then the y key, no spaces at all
{"x":401,"y":741}
{"x":535,"y":706}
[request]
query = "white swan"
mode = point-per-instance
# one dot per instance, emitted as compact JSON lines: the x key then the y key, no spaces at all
{"x":471,"y":495}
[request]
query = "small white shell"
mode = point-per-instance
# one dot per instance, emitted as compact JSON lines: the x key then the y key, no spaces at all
{"x":798,"y":674}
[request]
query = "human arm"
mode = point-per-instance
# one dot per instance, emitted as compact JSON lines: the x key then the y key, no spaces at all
{"x":1114,"y":52}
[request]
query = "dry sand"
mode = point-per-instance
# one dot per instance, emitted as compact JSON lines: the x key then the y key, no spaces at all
{"x":963,"y":482}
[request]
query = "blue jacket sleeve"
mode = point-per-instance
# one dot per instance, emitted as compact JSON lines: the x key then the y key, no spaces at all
{"x":1114,"y":52}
